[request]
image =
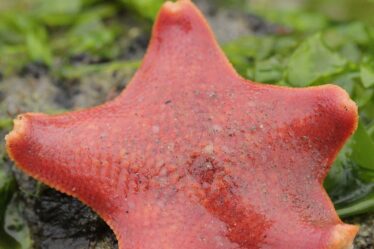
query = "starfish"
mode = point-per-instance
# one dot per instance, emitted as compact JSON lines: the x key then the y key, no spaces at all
{"x":191,"y":155}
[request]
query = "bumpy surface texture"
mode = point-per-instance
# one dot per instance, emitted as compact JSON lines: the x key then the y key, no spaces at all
{"x":190,"y":155}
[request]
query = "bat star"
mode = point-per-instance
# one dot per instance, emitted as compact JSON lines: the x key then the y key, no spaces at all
{"x":191,"y":155}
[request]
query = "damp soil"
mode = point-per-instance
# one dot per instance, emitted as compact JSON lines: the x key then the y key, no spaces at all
{"x":58,"y":221}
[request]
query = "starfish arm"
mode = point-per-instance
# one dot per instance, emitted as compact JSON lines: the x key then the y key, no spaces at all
{"x":313,"y":123}
{"x":182,"y":51}
{"x":60,"y":150}
{"x":294,"y":136}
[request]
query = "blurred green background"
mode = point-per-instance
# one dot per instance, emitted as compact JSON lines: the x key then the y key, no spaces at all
{"x":309,"y":42}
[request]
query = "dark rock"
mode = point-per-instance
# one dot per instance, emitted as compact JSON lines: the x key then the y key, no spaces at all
{"x":35,"y":69}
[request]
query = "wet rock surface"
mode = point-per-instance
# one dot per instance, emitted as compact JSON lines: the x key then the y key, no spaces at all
{"x":58,"y":221}
{"x":29,"y":93}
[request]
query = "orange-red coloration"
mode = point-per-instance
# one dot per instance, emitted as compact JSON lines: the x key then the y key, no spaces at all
{"x":191,"y":155}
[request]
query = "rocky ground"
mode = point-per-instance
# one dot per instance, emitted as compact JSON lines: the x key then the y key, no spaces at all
{"x":58,"y":221}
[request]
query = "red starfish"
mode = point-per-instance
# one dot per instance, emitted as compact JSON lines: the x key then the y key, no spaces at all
{"x":191,"y":155}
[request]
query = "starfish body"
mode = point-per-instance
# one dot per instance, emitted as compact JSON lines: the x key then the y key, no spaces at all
{"x":191,"y":155}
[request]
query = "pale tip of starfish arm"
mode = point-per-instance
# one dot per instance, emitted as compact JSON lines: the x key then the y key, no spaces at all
{"x":342,"y":236}
{"x":174,"y":7}
{"x":347,"y":104}
{"x":18,"y":137}
{"x":18,"y":132}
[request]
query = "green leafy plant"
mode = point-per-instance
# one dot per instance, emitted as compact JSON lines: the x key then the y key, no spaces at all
{"x":14,"y":233}
{"x":146,"y":8}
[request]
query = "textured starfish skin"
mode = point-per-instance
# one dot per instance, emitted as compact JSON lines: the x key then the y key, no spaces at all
{"x":191,"y":155}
